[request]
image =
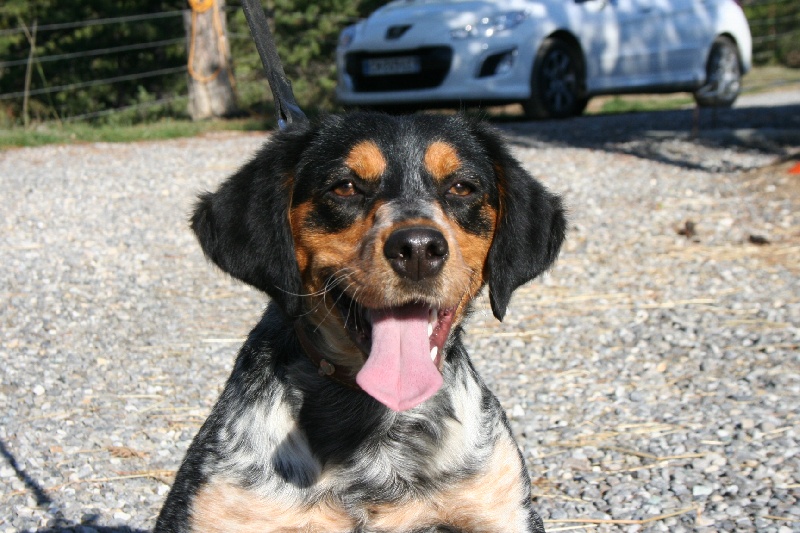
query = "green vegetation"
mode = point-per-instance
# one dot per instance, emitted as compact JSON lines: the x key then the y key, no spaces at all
{"x":306,"y":35}
{"x":759,"y":80}
{"x":148,"y":49}
{"x":63,"y":35}
{"x":769,"y":76}
{"x":775,"y":25}
{"x":81,"y":132}
{"x":631,"y":104}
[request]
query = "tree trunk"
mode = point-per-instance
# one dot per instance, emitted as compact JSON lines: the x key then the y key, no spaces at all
{"x":211,"y":92}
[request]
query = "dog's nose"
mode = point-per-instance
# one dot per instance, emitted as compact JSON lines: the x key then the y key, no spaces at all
{"x":417,"y":252}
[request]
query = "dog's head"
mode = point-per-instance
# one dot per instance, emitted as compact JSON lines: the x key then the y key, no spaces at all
{"x":379,"y":231}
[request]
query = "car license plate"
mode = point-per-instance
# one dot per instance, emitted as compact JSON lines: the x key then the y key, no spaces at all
{"x":391,"y":66}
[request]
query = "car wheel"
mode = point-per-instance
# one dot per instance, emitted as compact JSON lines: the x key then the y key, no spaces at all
{"x":557,"y":82}
{"x":723,"y":76}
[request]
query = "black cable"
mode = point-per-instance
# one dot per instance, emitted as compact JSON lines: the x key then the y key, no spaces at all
{"x":286,"y":108}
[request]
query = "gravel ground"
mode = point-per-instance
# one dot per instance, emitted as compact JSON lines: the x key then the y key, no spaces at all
{"x":652,"y":378}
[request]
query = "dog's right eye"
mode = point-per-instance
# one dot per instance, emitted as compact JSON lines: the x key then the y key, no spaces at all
{"x":345,"y":189}
{"x":461,"y":189}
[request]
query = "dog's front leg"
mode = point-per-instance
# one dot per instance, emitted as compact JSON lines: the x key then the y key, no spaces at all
{"x":498,"y":498}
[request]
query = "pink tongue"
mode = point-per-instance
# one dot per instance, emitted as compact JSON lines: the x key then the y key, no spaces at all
{"x":399,"y":372}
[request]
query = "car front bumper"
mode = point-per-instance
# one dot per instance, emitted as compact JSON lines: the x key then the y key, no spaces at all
{"x":489,"y":70}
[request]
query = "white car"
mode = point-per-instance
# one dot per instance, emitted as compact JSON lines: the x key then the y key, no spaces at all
{"x":549,"y":55}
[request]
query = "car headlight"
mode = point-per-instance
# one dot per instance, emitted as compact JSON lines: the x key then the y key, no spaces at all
{"x":488,"y":26}
{"x":347,"y":36}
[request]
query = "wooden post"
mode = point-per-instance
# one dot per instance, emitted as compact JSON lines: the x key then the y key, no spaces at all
{"x":31,"y":35}
{"x":211,"y":82}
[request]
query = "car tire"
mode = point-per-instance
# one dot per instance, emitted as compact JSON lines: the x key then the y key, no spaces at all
{"x":723,"y":76}
{"x":558,"y":82}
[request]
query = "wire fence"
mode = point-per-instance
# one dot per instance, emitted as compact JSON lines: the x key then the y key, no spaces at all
{"x":94,"y":83}
{"x":38,"y":59}
{"x":96,"y":52}
{"x":97,"y":22}
{"x":133,"y":107}
{"x":775,"y":25}
{"x":56,"y":75}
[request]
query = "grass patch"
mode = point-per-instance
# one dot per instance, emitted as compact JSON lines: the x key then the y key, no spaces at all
{"x":52,"y":133}
{"x":634,"y":104}
{"x":759,"y":79}
{"x":764,"y":78}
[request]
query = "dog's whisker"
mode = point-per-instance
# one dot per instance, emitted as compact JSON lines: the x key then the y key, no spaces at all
{"x":335,"y":278}
{"x":331,"y":283}
{"x":330,"y":309}
{"x":350,"y":307}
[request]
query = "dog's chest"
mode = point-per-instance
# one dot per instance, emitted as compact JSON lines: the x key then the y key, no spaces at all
{"x":488,"y":499}
{"x":458,"y":473}
{"x":269,"y":448}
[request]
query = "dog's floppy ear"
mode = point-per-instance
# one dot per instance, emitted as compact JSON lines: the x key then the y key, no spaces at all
{"x":530,"y":229}
{"x":243,"y":227}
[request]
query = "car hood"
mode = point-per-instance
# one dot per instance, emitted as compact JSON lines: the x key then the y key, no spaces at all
{"x":430,"y":21}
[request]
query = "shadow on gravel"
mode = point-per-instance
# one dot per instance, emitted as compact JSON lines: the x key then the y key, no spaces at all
{"x":61,"y":524}
{"x":42,"y":499}
{"x":87,"y":528}
{"x":774,"y":130}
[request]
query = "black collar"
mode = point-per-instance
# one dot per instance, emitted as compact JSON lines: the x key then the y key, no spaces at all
{"x":324,"y":367}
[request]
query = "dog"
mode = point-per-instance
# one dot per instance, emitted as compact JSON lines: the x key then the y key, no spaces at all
{"x":353,"y":405}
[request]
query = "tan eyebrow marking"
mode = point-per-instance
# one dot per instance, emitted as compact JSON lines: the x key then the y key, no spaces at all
{"x":441,"y":160}
{"x":366,"y":160}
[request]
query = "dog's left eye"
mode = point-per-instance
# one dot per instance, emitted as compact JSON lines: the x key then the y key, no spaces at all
{"x":345,"y":189}
{"x":461,"y":189}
